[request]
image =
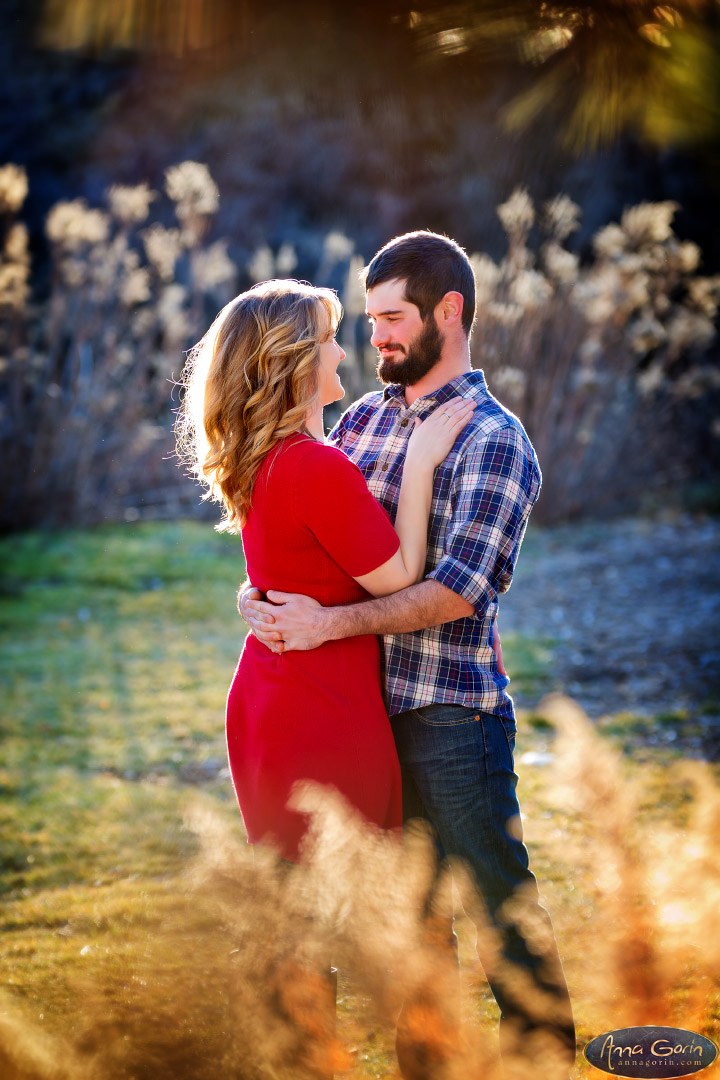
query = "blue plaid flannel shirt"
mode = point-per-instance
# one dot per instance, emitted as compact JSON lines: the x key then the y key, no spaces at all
{"x":482,"y":498}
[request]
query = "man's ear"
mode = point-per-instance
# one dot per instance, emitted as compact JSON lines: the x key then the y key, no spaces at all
{"x":449,"y":310}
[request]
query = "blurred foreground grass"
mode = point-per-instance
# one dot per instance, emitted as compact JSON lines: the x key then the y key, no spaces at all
{"x":117,"y":648}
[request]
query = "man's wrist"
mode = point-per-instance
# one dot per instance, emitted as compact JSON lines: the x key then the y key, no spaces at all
{"x":429,"y":603}
{"x":342,"y":621}
{"x":332,"y":623}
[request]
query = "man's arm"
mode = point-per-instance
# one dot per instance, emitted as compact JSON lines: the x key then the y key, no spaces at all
{"x":493,"y":492}
{"x":300,"y":623}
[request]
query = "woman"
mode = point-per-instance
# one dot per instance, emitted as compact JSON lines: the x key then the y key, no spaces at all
{"x":255,"y":389}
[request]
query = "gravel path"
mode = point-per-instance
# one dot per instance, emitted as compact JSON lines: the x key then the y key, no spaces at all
{"x":632,"y":609}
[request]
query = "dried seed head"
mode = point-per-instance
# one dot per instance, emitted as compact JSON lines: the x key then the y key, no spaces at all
{"x":531,"y":289}
{"x":261,"y":266}
{"x":561,"y":216}
{"x":13,"y":188}
{"x":213,"y":266}
{"x":518,"y":213}
{"x":71,"y":225}
{"x":649,"y":223}
{"x":192,"y":189}
{"x":130,"y":205}
{"x":162,"y":247}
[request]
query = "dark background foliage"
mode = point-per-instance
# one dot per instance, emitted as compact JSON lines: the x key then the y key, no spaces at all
{"x":313,"y":116}
{"x":374,"y":118}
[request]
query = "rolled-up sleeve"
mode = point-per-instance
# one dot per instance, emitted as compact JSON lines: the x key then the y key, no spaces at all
{"x":494,"y":487}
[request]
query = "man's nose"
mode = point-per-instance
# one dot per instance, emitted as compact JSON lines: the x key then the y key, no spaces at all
{"x":378,"y":337}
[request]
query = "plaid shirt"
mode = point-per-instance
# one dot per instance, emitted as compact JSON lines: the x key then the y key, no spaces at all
{"x":482,"y":497}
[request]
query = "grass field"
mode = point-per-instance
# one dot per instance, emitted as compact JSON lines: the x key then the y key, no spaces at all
{"x":117,"y":649}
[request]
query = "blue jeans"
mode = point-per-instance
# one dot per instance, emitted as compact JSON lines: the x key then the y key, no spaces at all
{"x":458,"y":772}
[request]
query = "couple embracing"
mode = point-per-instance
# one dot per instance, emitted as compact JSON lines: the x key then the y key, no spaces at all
{"x":406,"y":524}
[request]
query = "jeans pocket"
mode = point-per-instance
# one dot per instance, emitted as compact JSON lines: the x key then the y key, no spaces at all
{"x":447,"y":715}
{"x":510,"y":729}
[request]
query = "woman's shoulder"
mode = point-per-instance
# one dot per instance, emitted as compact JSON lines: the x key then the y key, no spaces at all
{"x":307,"y":470}
{"x":301,"y":452}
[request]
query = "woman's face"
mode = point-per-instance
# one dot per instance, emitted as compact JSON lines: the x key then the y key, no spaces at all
{"x":329,"y":386}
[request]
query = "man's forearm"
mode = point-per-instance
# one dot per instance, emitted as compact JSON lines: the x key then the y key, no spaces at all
{"x":426,"y":604}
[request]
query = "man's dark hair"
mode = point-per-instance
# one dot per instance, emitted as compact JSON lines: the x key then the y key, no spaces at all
{"x":430,"y":265}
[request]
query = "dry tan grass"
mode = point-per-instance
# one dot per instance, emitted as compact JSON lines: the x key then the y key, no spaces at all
{"x":227,"y":974}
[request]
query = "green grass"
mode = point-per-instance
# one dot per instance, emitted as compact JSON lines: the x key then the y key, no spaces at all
{"x":117,"y":648}
{"x":529,"y":662}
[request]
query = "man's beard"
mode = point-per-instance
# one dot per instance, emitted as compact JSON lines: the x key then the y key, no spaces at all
{"x":421,"y":356}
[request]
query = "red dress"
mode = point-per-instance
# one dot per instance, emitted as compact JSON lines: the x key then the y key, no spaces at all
{"x":316,"y":715}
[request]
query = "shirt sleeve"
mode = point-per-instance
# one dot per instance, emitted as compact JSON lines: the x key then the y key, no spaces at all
{"x":335,"y":437}
{"x":495,"y":487}
{"x":331,"y":499}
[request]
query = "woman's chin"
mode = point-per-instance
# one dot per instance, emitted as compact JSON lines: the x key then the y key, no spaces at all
{"x":338,"y":396}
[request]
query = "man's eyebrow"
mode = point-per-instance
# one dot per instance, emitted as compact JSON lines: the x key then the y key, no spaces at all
{"x":391,"y":311}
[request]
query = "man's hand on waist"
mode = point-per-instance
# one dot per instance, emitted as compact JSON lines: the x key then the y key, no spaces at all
{"x":260,"y":624}
{"x":290,"y":621}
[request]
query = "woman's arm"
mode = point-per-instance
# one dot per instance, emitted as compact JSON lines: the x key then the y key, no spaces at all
{"x":429,"y":444}
{"x":497,"y":649}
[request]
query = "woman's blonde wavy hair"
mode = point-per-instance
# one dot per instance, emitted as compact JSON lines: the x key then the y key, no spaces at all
{"x":249,"y":383}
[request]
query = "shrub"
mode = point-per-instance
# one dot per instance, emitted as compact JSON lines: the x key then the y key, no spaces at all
{"x":87,"y":373}
{"x":599,"y":359}
{"x":605,"y":360}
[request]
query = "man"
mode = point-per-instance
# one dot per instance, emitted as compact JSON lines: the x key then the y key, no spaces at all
{"x":452,"y":718}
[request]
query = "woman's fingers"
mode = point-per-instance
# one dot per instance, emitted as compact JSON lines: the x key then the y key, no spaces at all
{"x":456,"y":410}
{"x":460,"y":419}
{"x":433,"y":439}
{"x":450,"y":418}
{"x":453,"y":414}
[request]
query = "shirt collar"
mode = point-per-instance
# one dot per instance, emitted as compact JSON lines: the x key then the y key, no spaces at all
{"x":469,"y":384}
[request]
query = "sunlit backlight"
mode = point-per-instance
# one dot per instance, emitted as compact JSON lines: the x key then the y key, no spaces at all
{"x":451,"y":42}
{"x":609,"y":879}
{"x":181,"y":27}
{"x":675,"y":915}
{"x":655,"y":34}
{"x":541,"y":46}
{"x":669,"y":15}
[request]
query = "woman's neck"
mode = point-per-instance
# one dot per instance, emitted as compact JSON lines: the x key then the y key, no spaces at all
{"x":314,"y":423}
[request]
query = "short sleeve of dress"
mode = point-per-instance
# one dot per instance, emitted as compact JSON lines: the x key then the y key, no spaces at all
{"x":332,"y":500}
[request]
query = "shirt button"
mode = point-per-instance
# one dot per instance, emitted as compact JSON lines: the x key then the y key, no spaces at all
{"x":404,"y":423}
{"x":384,"y":466}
